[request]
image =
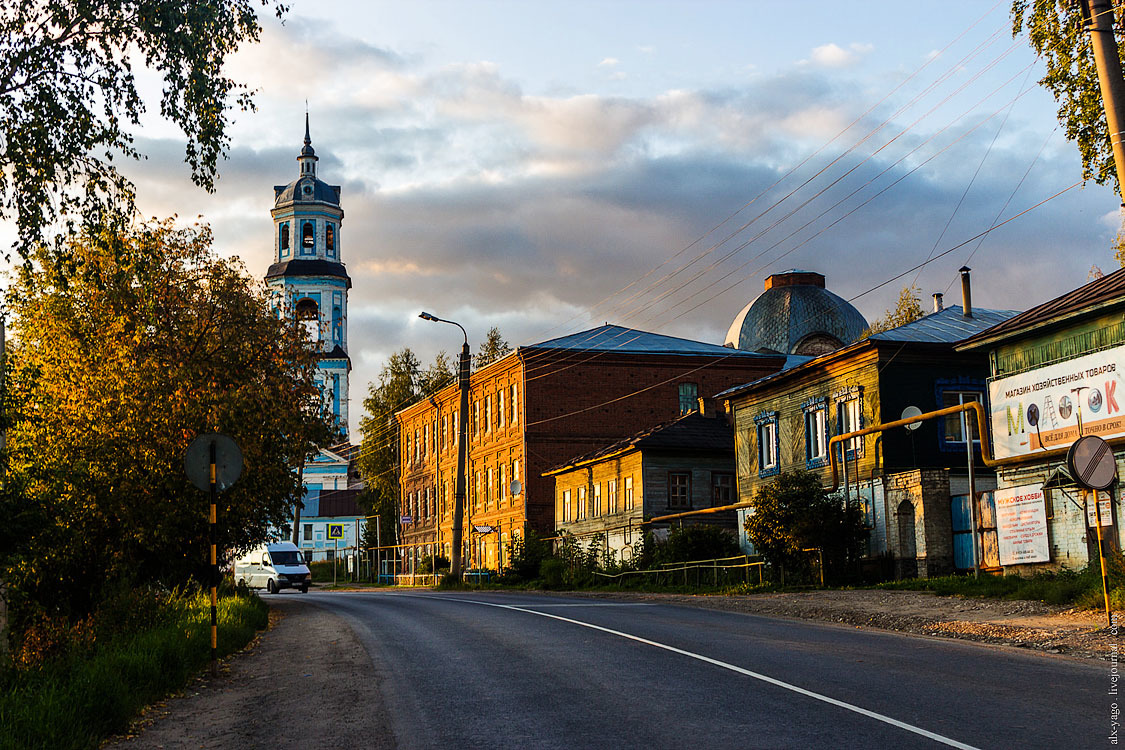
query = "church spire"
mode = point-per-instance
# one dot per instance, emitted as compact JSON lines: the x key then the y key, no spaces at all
{"x":308,"y":157}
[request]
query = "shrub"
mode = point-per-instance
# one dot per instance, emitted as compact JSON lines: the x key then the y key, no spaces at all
{"x":700,"y":542}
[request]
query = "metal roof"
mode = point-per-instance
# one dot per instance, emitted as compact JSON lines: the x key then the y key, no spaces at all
{"x":783,"y":317}
{"x":946,"y":326}
{"x":1097,"y":293}
{"x":308,"y":267}
{"x":307,"y":189}
{"x":691,"y":432}
{"x":611,"y":338}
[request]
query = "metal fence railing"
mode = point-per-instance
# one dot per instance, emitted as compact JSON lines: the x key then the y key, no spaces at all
{"x":716,"y":572}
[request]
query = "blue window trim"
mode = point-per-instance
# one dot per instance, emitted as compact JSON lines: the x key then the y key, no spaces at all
{"x":808,"y":406}
{"x":760,"y":421}
{"x":307,"y":250}
{"x":840,"y":397}
{"x":963,"y":383}
{"x":283,"y":252}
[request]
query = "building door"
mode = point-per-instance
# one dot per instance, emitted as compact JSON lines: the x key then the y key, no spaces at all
{"x":963,"y":532}
{"x":906,"y":563}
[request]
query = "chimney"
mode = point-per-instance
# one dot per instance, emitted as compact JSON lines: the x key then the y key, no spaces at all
{"x":708,"y":407}
{"x":966,"y":293}
{"x":938,"y":306}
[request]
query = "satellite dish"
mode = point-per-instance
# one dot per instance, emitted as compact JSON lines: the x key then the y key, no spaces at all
{"x":1033,"y":415}
{"x":516,"y":487}
{"x":909,"y":413}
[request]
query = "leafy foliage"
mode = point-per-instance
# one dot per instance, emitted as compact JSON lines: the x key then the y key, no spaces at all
{"x":1056,"y":32}
{"x":794,"y":513}
{"x":119,"y":363}
{"x":491,"y":349}
{"x":68,"y":93}
{"x":698,"y":542}
{"x":402,"y":382}
{"x":907,"y":310}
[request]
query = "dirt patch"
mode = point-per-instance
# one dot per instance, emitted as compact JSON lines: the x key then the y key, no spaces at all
{"x":1026,"y":624}
{"x":304,"y":683}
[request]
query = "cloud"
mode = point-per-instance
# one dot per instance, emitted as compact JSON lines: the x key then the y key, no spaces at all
{"x":609,"y":62}
{"x":472,"y":194}
{"x":833,"y":55}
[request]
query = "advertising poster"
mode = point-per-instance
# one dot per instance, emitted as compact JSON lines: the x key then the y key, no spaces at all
{"x":1040,"y":409}
{"x":1092,"y":510}
{"x":1021,"y":525}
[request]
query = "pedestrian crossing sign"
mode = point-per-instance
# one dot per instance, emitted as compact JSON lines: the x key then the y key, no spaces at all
{"x":335,"y":531}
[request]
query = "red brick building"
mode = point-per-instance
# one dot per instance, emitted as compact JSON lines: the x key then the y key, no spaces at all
{"x":537,"y":408}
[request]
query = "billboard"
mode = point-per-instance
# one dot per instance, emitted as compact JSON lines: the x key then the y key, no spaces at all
{"x":1039,"y":409}
{"x":1021,"y":525}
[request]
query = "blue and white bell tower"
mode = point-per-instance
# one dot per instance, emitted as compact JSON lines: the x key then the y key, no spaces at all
{"x":307,"y":278}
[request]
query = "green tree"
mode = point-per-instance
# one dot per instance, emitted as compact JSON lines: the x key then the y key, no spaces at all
{"x":794,"y":513}
{"x":402,"y":382}
{"x":491,"y":349}
{"x":119,"y":363}
{"x":907,"y":310}
{"x":1057,"y":33}
{"x":697,"y":542}
{"x":68,"y":94}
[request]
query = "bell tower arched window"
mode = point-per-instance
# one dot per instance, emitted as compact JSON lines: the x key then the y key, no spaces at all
{"x":308,"y":314}
{"x":307,"y":238}
{"x":330,"y":239}
{"x":283,"y":239}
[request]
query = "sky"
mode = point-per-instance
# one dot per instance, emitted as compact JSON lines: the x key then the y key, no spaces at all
{"x":547,"y":167}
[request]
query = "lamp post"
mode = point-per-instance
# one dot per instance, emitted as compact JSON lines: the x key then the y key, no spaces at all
{"x":462,"y":447}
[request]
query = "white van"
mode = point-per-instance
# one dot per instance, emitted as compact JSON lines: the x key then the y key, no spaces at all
{"x":273,"y":567}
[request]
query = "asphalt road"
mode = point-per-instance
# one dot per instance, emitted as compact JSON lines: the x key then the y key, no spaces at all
{"x":501,"y":670}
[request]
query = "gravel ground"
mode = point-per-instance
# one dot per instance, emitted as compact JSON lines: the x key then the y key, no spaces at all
{"x":1025,"y":624}
{"x":306,"y":682}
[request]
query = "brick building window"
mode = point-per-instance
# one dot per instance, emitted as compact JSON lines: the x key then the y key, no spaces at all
{"x":611,"y":496}
{"x":689,"y":397}
{"x":596,"y":500}
{"x":628,"y":493}
{"x":679,"y":489}
{"x":566,"y":506}
{"x":501,"y":413}
{"x":722,"y":488}
{"x":488,"y":413}
{"x":515,"y":405}
{"x":477,"y":494}
{"x":444,"y":432}
{"x":476,"y":417}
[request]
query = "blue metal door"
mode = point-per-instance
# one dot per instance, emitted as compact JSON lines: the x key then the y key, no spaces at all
{"x":962,"y":532}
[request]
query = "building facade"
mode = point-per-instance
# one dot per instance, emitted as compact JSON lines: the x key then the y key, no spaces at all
{"x":535,"y":409}
{"x":605,"y":497}
{"x":904,"y":480}
{"x":1056,"y":373}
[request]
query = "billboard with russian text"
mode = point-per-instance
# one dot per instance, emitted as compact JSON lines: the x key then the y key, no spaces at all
{"x":1040,"y":409}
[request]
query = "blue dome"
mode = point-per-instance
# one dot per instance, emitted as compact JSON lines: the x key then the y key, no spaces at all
{"x":307,"y":189}
{"x":796,"y":315}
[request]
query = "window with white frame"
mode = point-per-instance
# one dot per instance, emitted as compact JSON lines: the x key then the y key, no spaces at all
{"x":597,"y":500}
{"x":580,"y":511}
{"x":611,"y":496}
{"x":955,"y":423}
{"x":768,"y":460}
{"x":849,"y":418}
{"x":628,"y":493}
{"x":501,"y":412}
{"x":566,"y":506}
{"x":488,"y":413}
{"x":515,"y":405}
{"x":816,"y":432}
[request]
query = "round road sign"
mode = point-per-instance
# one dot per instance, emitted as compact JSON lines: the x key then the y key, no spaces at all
{"x":228,"y":461}
{"x":1091,"y":462}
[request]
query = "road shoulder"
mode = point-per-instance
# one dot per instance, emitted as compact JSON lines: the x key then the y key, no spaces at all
{"x":297,"y":685}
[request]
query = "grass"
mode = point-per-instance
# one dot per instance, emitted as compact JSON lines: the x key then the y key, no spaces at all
{"x":1082,"y":589}
{"x":80,"y":697}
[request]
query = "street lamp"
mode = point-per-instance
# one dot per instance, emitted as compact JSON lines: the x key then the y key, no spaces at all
{"x":462,"y":447}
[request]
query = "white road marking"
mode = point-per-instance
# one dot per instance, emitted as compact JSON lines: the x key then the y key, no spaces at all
{"x":734,"y":668}
{"x":599,"y":604}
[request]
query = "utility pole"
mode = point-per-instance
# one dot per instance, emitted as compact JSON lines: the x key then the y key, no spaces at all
{"x":1098,"y":15}
{"x":462,"y":460}
{"x":3,"y":466}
